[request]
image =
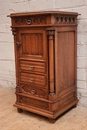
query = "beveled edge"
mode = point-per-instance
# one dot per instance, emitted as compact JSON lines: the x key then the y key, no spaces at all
{"x":42,"y":13}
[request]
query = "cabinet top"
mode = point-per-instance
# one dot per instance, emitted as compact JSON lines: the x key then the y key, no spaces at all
{"x":43,"y":13}
{"x":43,"y":19}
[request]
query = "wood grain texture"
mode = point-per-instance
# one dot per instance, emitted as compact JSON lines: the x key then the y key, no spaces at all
{"x":33,"y":67}
{"x":32,"y":44}
{"x":51,"y":61}
{"x":33,"y":91}
{"x":45,"y":55}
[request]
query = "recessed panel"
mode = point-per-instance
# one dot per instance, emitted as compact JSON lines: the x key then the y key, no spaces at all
{"x":33,"y":44}
{"x":66,"y":59}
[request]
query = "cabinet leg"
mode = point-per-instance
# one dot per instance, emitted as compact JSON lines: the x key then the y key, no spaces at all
{"x":52,"y":120}
{"x":19,"y":110}
{"x":75,"y":106}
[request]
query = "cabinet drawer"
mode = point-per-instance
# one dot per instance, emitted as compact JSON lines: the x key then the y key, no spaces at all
{"x":34,"y":102}
{"x":33,"y":79}
{"x":33,"y":66}
{"x":32,"y":90}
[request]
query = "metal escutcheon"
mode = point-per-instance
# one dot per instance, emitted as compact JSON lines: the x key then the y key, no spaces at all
{"x":31,"y":80}
{"x":28,"y":21}
{"x":31,"y":67}
{"x":33,"y":91}
{"x":18,"y":43}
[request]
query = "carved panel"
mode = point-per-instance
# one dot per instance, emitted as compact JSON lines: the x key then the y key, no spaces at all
{"x":34,"y":102}
{"x":30,"y":20}
{"x":32,"y":43}
{"x":66,"y":61}
{"x":60,"y":19}
{"x":32,"y":90}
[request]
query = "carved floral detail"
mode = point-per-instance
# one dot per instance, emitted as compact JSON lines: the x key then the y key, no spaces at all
{"x":66,"y":19}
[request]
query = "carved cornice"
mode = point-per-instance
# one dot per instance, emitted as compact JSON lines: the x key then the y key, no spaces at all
{"x":62,"y":19}
{"x":30,"y":20}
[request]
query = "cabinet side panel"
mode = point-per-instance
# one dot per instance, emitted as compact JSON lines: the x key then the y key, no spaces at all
{"x":71,"y":59}
{"x":65,"y":61}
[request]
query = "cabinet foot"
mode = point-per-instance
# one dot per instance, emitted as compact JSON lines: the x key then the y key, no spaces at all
{"x":19,"y":110}
{"x":75,"y":106}
{"x":52,"y":120}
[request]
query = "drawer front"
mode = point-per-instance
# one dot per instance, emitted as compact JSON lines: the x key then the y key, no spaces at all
{"x":31,"y":90}
{"x":33,"y":66}
{"x":33,"y":79}
{"x":34,"y":102}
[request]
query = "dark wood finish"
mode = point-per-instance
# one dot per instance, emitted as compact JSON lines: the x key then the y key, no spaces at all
{"x":45,"y":57}
{"x":19,"y":110}
{"x":52,"y":120}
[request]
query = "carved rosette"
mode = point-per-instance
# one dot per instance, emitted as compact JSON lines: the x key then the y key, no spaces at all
{"x":30,"y":20}
{"x":60,"y":19}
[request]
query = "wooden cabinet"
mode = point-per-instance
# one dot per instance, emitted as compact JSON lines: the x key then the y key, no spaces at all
{"x":45,"y":60}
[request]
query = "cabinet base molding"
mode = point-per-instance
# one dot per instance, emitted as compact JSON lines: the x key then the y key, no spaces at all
{"x":51,"y":115}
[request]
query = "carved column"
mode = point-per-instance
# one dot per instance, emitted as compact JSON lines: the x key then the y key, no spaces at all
{"x":51,"y":61}
{"x":14,"y":32}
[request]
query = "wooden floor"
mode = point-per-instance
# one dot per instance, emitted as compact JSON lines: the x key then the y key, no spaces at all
{"x":10,"y":119}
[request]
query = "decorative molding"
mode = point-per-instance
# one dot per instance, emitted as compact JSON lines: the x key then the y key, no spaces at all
{"x":34,"y":102}
{"x":30,"y":20}
{"x":38,"y":91}
{"x":60,"y":19}
{"x":50,"y":32}
{"x":52,"y":94}
{"x":17,"y":86}
{"x":14,"y":32}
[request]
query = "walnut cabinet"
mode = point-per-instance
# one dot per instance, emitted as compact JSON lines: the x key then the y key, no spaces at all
{"x":45,"y":60}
